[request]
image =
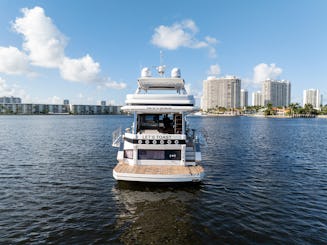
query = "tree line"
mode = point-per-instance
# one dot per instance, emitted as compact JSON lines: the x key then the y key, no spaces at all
{"x":292,"y":109}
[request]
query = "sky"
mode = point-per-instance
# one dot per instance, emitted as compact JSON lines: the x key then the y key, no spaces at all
{"x":93,"y":50}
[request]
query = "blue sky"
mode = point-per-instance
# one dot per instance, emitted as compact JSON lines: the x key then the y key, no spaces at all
{"x":88,"y":51}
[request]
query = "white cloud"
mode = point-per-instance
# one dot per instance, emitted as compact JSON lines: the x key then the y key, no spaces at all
{"x":12,"y":90}
{"x":214,"y":70}
{"x":190,"y":24}
{"x":115,"y":85}
{"x":83,"y":69}
{"x":171,"y":37}
{"x":212,"y":52}
{"x":108,"y":83}
{"x":82,"y":99}
{"x":54,"y":100}
{"x":43,"y":42}
{"x":211,"y":40}
{"x":196,"y":93}
{"x":181,"y":34}
{"x":44,"y":46}
{"x":13,"y":61}
{"x":262,"y":72}
{"x":248,"y":83}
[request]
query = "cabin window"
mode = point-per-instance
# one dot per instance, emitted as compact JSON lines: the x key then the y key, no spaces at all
{"x":128,"y":154}
{"x":163,"y":123}
{"x":159,"y":155}
{"x":149,"y":121}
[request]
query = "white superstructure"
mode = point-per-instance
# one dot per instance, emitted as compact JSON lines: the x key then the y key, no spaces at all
{"x":159,"y":147}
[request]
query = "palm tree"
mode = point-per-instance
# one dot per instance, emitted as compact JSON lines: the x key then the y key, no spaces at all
{"x":269,"y":110}
{"x":294,"y":107}
{"x":308,"y":108}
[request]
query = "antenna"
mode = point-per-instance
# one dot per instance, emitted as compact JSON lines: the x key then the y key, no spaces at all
{"x":161,"y":57}
{"x":161,"y":68}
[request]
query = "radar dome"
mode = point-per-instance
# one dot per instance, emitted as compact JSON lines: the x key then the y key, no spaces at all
{"x":146,"y":72}
{"x":211,"y":78}
{"x":176,"y":73}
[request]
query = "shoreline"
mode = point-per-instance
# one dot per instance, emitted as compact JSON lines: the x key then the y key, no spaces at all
{"x":260,"y":116}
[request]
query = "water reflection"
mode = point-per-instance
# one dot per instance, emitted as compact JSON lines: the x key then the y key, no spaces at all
{"x":156,"y":213}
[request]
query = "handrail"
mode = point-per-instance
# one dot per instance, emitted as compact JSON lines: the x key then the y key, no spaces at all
{"x":116,"y":137}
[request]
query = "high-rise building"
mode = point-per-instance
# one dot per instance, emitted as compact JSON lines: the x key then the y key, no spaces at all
{"x":221,"y":92}
{"x":312,"y":96}
{"x":66,"y":102}
{"x":244,"y":98}
{"x":278,"y":93}
{"x":103,"y":102}
{"x":257,"y":98}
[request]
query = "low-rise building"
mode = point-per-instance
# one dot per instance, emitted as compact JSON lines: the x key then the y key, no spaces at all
{"x":8,"y":106}
{"x":10,"y":100}
{"x":94,"y":109}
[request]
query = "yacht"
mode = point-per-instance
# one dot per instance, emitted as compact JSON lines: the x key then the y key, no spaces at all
{"x":159,"y":146}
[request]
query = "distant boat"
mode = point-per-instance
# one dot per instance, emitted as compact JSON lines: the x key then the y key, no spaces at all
{"x":58,"y":113}
{"x":159,"y":146}
{"x":196,"y":114}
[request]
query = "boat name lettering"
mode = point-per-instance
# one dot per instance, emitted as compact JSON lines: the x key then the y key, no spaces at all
{"x":157,"y":137}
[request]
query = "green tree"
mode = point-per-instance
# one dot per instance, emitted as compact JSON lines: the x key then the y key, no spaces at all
{"x":323,"y":110}
{"x":308,"y":109}
{"x":294,"y":108}
{"x":269,"y":110}
{"x":221,"y":109}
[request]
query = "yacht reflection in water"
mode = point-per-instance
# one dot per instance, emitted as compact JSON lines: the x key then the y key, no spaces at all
{"x":156,"y":213}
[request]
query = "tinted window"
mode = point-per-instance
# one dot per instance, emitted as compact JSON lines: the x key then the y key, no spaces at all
{"x":159,"y":155}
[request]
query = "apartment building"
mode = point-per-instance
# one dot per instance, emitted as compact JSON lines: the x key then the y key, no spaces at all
{"x":313,"y":97}
{"x":278,"y":93}
{"x":257,"y":99}
{"x":244,"y":98}
{"x":221,"y":92}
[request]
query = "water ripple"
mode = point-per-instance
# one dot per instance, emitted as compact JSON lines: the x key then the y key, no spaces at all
{"x":266,"y":182}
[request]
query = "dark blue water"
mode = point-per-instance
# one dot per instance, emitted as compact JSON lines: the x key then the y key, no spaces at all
{"x":266,"y":183}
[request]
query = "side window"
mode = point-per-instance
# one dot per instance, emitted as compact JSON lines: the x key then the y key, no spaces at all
{"x":128,"y":154}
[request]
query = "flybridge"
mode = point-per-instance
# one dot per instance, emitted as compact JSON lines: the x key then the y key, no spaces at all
{"x":147,"y":82}
{"x":177,"y":100}
{"x":161,"y":83}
